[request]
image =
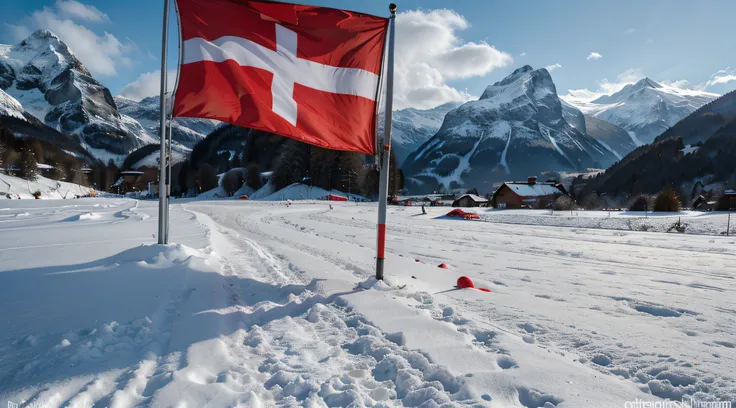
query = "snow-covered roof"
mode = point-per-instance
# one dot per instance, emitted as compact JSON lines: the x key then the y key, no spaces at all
{"x":131,"y":173}
{"x":730,"y":192}
{"x":533,"y":190}
{"x":477,"y":199}
{"x":44,"y":166}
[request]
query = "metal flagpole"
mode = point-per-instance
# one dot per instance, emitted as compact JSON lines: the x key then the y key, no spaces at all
{"x":386,"y":146}
{"x":162,"y":202}
{"x":169,"y":164}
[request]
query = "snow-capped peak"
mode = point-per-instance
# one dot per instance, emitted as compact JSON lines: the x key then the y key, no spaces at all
{"x":10,"y":107}
{"x":645,"y":109}
{"x":46,"y":78}
{"x":40,"y":58}
{"x":516,"y":128}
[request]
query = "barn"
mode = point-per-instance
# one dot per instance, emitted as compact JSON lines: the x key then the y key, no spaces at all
{"x":471,"y":200}
{"x":529,"y":194}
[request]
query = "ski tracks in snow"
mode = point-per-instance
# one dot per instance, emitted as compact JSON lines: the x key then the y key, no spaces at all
{"x":296,"y":346}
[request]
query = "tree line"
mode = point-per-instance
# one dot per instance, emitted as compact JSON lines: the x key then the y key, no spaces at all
{"x":21,"y":156}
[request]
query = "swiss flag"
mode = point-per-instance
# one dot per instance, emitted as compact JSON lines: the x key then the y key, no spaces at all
{"x":304,"y":72}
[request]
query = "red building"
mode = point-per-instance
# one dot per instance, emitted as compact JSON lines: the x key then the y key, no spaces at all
{"x":529,"y":194}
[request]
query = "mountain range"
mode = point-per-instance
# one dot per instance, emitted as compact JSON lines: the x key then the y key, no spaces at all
{"x":411,"y":127}
{"x":700,"y":147}
{"x":184,"y":131}
{"x":518,"y":127}
{"x":644,"y":109}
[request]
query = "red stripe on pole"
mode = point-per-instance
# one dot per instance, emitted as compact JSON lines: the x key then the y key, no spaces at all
{"x":381,"y":240}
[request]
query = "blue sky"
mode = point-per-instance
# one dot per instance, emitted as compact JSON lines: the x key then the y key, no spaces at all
{"x":671,"y":41}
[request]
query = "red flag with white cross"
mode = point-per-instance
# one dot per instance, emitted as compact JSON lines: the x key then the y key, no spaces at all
{"x":304,"y":72}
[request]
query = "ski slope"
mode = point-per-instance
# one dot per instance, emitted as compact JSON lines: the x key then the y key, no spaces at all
{"x":263,"y":304}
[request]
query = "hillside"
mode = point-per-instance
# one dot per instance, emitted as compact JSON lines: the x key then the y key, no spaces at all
{"x":705,"y":121}
{"x":15,"y":187}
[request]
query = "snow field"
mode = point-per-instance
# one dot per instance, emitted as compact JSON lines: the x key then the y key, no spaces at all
{"x":260,"y":304}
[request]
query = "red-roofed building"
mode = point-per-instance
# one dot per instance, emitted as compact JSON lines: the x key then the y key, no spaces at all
{"x":529,"y":194}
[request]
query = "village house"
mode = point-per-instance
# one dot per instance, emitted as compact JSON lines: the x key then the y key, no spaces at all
{"x":529,"y":194}
{"x":137,"y":181}
{"x":471,"y":200}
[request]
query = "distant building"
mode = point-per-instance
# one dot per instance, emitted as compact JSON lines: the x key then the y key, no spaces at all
{"x":45,"y":170}
{"x":135,"y":181}
{"x":529,"y":194}
{"x":471,"y":200}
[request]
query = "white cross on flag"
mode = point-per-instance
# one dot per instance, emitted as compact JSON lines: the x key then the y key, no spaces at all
{"x":305,"y":72}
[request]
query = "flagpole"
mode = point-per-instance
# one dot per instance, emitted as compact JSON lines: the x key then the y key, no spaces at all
{"x":385,"y":145}
{"x":162,"y":199}
{"x":169,"y":164}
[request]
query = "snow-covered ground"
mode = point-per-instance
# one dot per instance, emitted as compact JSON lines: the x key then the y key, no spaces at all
{"x":695,"y":222}
{"x":260,"y":304}
{"x":49,"y":188}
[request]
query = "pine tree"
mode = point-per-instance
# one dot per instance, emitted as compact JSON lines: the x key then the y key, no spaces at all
{"x":2,"y":153}
{"x":28,"y":165}
{"x":254,"y":176}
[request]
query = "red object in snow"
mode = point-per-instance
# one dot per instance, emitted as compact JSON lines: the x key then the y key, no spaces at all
{"x":417,"y":260}
{"x":305,"y":72}
{"x":443,"y":266}
{"x":464,"y":282}
{"x":333,"y":197}
{"x":456,"y":213}
{"x":243,"y":197}
{"x":463,"y":214}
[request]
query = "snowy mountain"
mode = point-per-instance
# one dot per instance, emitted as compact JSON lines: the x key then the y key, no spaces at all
{"x":185,"y":131}
{"x":614,"y":138}
{"x":644,"y":109}
{"x":411,"y":127}
{"x":42,"y":73}
{"x":516,"y":129}
{"x":24,"y":125}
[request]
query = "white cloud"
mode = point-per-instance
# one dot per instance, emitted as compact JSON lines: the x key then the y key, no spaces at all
{"x":605,"y":86}
{"x":101,"y":54}
{"x":679,"y":84}
{"x":722,"y":76}
{"x":594,"y":56}
{"x":75,"y":9}
{"x":429,"y":52}
{"x":553,"y":67}
{"x":148,"y":84}
{"x":630,"y":31}
{"x":633,"y":75}
{"x":523,"y":54}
